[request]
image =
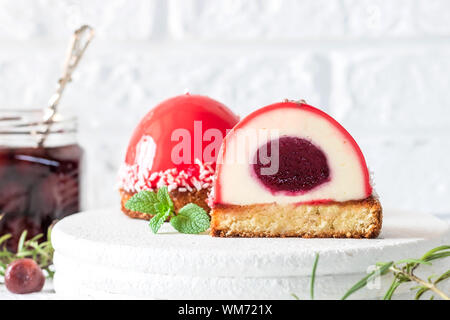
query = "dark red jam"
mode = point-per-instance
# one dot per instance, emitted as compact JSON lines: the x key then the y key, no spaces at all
{"x":301,"y":165}
{"x":37,"y":187}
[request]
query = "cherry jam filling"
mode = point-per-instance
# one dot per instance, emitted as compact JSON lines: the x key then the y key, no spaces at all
{"x":291,"y":165}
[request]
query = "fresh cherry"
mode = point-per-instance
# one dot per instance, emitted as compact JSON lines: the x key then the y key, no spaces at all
{"x":24,"y":276}
{"x":301,"y":165}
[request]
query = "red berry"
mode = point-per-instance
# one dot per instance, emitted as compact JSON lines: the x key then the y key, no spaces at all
{"x":24,"y":276}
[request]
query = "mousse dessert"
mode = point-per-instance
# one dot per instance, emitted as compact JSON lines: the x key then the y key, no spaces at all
{"x":176,"y":145}
{"x":290,"y":170}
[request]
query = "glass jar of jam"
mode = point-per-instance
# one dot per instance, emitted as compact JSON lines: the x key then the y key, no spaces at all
{"x":39,"y":182}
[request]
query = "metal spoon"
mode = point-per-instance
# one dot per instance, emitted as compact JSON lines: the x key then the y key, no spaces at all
{"x":78,"y":45}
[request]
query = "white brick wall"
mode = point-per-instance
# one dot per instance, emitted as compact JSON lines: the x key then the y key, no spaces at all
{"x":55,"y":19}
{"x":379,"y":66}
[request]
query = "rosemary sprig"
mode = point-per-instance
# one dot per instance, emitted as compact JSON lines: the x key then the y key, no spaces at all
{"x":313,"y":280}
{"x":313,"y":276}
{"x":41,"y":252}
{"x":403,"y":272}
{"x":382,"y":270}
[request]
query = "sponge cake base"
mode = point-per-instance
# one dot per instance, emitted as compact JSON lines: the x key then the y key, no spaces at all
{"x":350,"y":219}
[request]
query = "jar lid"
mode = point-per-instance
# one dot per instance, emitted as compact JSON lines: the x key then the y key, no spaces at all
{"x":27,"y":125}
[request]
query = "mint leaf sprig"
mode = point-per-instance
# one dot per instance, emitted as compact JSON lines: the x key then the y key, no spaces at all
{"x":190,"y":219}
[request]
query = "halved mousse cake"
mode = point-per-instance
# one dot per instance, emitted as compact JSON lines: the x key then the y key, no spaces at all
{"x":176,"y":145}
{"x":291,"y":170}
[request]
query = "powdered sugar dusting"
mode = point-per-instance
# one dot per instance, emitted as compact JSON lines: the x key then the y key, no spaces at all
{"x":134,"y":178}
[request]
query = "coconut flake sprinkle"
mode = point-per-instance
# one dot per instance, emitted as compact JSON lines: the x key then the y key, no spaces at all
{"x":134,"y":179}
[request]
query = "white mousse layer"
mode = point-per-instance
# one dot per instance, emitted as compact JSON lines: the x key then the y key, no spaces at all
{"x":239,"y":186}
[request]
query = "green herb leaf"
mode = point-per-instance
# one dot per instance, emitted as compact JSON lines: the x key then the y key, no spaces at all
{"x":191,"y":219}
{"x":430,"y":255}
{"x":313,"y":276}
{"x":403,"y":272}
{"x":143,"y":201}
{"x":420,"y":292}
{"x":22,"y":238}
{"x":438,"y":255}
{"x":395,"y":284}
{"x":157,"y":221}
{"x":363,"y":282}
{"x":443,"y":277}
{"x":164,"y":197}
{"x":161,"y":208}
{"x":418,"y":261}
{"x":5,"y":237}
{"x":422,"y":289}
{"x":41,"y":252}
{"x":158,"y":204}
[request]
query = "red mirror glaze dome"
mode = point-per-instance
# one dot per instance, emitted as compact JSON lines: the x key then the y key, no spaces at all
{"x":186,"y":118}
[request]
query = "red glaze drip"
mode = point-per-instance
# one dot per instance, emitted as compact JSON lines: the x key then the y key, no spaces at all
{"x":180,"y":113}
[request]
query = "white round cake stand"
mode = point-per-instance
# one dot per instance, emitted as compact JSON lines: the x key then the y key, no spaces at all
{"x":104,"y":254}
